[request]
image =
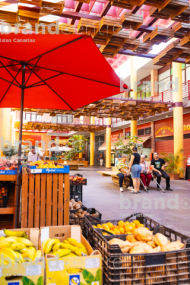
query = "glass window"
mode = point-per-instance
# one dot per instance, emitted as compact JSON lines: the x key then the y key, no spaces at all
{"x":188,"y":73}
{"x":33,"y":117}
{"x":164,"y":75}
{"x":141,"y":132}
{"x":59,"y":119}
{"x":54,"y":119}
{"x":64,"y":119}
{"x":28,"y":117}
{"x":39,"y":118}
{"x":70,"y":119}
{"x":164,"y":85}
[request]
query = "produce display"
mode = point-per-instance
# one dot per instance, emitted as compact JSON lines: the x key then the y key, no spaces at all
{"x":46,"y":164}
{"x":121,"y":228}
{"x":68,"y":248}
{"x":143,"y":241}
{"x":17,"y":248}
{"x":6,"y":164}
{"x":3,"y":193}
{"x":77,"y":178}
{"x":73,"y":205}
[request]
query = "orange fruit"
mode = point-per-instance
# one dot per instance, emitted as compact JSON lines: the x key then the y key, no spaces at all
{"x":114,"y":226}
{"x":132,"y":225}
{"x":121,"y":224}
{"x":140,"y":226}
{"x":122,"y":231}
{"x":128,"y":228}
{"x":104,"y":226}
{"x":99,"y":226}
{"x":128,"y":233}
{"x":136,"y":222}
{"x":116,"y":232}
{"x":126,"y":223}
{"x":110,"y":225}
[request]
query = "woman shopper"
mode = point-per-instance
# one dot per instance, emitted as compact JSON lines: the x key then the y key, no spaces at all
{"x":135,"y":168}
{"x":146,"y":176}
{"x":123,"y":172}
{"x":101,"y":159}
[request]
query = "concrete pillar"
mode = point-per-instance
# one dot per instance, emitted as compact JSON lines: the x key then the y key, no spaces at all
{"x":108,"y":143}
{"x":154,"y":82}
{"x":178,"y":110}
{"x":92,"y":141}
{"x":133,"y":80}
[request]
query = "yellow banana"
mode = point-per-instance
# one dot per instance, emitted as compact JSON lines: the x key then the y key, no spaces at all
{"x":71,"y":254}
{"x":26,"y":250}
{"x":9,"y":233}
{"x":74,"y":270}
{"x":37,"y":254}
{"x":28,"y":256}
{"x":62,"y":252}
{"x":57,"y":246}
{"x":80,"y":253}
{"x":17,"y":246}
{"x":44,"y":243}
{"x":7,"y":258}
{"x":66,"y":241}
{"x":19,"y":257}
{"x":74,"y":242}
{"x":27,"y":242}
{"x":50,"y":245}
{"x":32,"y":248}
{"x":11,"y":239}
{"x":1,"y":238}
{"x":69,"y":246}
{"x":5,"y":244}
{"x":9,"y":252}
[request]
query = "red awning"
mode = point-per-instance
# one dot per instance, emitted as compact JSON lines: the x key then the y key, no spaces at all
{"x":61,"y":71}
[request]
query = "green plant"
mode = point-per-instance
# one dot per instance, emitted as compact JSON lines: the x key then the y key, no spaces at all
{"x":78,"y":146}
{"x":121,"y":148}
{"x":9,"y":151}
{"x":173,"y":160}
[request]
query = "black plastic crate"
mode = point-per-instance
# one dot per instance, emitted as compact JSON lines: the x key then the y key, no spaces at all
{"x":4,"y":198}
{"x":81,"y":221}
{"x":76,"y":190}
{"x":91,"y":232}
{"x":163,"y":268}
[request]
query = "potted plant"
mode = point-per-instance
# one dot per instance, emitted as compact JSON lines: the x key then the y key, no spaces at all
{"x":121,"y":148}
{"x":78,"y":145}
{"x":174,"y":160}
{"x":9,"y":151}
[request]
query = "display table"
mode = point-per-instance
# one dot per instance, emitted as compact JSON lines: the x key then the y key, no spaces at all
{"x":44,"y":201}
{"x":115,"y":178}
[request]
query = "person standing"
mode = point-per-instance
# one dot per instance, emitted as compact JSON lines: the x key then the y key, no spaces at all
{"x":123,"y":172}
{"x":158,"y":167}
{"x":101,"y":159}
{"x":145,"y":175}
{"x":34,"y":156}
{"x":135,"y":168}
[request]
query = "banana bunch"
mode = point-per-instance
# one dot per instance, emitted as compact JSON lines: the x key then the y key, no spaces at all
{"x":69,"y":247}
{"x":16,"y":247}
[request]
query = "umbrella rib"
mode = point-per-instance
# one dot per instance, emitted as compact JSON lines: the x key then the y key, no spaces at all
{"x":10,"y":65}
{"x":61,"y":73}
{"x":57,"y":47}
{"x":11,"y":59}
{"x":10,"y":85}
{"x":9,"y":73}
{"x":32,"y":71}
{"x":52,"y":90}
{"x":10,"y":81}
{"x":42,"y":80}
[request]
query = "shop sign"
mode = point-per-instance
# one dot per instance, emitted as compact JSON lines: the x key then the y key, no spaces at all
{"x":168,"y":131}
{"x":31,"y":138}
{"x":114,"y":137}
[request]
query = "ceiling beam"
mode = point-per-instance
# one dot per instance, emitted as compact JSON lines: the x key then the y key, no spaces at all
{"x":106,"y":9}
{"x":77,"y":9}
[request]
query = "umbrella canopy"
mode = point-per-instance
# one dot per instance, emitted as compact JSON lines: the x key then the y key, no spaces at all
{"x":59,"y":148}
{"x":52,"y":72}
{"x":60,"y":72}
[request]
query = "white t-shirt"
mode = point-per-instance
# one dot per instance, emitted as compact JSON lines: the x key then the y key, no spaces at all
{"x":34,"y":156}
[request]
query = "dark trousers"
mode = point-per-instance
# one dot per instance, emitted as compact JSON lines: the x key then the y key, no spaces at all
{"x":121,"y":178}
{"x":165,"y":175}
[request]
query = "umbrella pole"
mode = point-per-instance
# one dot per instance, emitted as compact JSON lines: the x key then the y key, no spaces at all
{"x":16,"y":220}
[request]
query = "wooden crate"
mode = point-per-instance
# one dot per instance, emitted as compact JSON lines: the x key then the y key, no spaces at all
{"x":43,"y":202}
{"x":87,"y":26}
{"x":130,"y":20}
{"x":7,"y":215}
{"x":110,"y":25}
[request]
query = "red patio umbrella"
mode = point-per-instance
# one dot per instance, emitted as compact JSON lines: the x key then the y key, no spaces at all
{"x":52,"y":72}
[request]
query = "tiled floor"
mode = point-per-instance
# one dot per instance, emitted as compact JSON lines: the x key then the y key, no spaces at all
{"x":171,"y":209}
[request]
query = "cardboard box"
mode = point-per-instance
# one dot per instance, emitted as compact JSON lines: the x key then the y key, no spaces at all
{"x":24,"y":273}
{"x":86,"y":270}
{"x":35,"y":170}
